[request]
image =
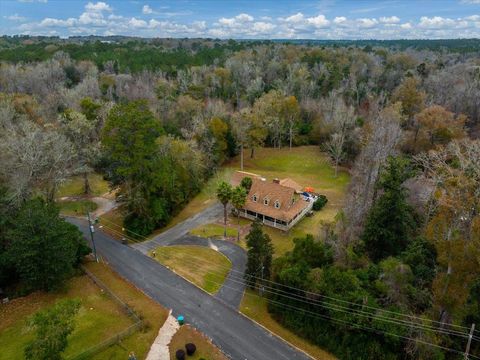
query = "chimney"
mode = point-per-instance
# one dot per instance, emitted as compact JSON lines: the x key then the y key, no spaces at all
{"x":276,"y":181}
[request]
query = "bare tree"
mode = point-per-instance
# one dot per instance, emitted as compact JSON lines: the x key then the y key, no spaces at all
{"x":382,"y":139}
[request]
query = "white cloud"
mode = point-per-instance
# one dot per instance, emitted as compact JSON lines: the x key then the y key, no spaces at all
{"x":263,"y":27}
{"x":15,"y":17}
{"x":147,"y":10}
{"x":50,"y":22}
{"x":137,"y":23}
{"x":436,"y":22}
{"x":97,"y":7}
{"x":99,"y":17}
{"x":473,"y":18}
{"x":244,"y":18}
{"x":297,"y":18}
{"x":236,"y":21}
{"x":471,"y":2}
{"x":367,"y":22}
{"x":319,"y":21}
{"x":199,"y":25}
{"x":390,"y":20}
{"x":92,"y":18}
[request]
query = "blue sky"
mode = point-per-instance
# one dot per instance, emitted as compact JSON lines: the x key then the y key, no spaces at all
{"x":261,"y":19}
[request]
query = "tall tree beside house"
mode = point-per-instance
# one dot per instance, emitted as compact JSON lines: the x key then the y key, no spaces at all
{"x":53,"y":326}
{"x":259,"y":255}
{"x":224,"y":195}
{"x":391,"y":221}
{"x":239,"y":196}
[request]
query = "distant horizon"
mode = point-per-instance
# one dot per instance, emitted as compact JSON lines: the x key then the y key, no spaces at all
{"x":245,"y":20}
{"x":234,"y":39}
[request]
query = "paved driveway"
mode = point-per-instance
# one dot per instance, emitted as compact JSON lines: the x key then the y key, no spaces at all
{"x":207,"y":216}
{"x":237,"y":336}
{"x":232,"y":289}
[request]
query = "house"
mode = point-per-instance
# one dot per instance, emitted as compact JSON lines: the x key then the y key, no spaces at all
{"x":277,"y":204}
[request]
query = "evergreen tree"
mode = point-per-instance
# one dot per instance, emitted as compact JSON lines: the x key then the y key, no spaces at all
{"x":259,"y":255}
{"x":391,"y":220}
{"x":43,"y":248}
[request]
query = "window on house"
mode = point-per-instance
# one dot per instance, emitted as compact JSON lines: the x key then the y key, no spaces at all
{"x":254,"y":198}
{"x":265,"y":201}
{"x":277,"y":204}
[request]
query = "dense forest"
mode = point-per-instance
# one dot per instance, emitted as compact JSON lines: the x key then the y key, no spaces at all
{"x":396,"y":276}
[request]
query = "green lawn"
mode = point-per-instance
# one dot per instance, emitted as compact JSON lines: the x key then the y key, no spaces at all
{"x":98,"y":319}
{"x":77,"y":207}
{"x":205,"y":349}
{"x":214,"y":231}
{"x":255,"y":307}
{"x":205,"y":267}
{"x":74,"y":186}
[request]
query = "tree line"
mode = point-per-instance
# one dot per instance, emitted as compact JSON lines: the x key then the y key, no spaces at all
{"x":405,"y":123}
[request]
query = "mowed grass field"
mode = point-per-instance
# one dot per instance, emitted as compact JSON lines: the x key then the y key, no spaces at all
{"x":205,"y":349}
{"x":99,"y":318}
{"x":205,"y":267}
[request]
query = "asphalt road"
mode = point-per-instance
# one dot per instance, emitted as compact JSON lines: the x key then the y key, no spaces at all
{"x":205,"y":216}
{"x":232,"y":290}
{"x":237,"y":336}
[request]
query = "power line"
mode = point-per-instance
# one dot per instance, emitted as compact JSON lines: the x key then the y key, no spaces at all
{"x":339,"y":308}
{"x":336,"y":307}
{"x":347,"y":309}
{"x":355,"y":326}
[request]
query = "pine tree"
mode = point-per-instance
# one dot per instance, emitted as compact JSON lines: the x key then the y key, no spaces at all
{"x":391,"y":220}
{"x":259,"y":255}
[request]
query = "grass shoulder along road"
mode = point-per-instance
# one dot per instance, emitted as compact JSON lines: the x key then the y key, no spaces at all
{"x":76,"y":207}
{"x":255,"y":307}
{"x":203,"y":266}
{"x":205,"y":349}
{"x":153,"y":314}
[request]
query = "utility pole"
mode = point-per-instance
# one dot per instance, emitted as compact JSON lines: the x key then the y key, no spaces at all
{"x":92,"y":230}
{"x":467,"y":350}
{"x":260,"y":290}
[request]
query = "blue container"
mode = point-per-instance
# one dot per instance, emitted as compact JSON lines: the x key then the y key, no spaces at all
{"x":181,"y":319}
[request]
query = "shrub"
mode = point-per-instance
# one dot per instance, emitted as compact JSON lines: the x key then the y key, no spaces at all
{"x":180,"y":354}
{"x":320,"y":203}
{"x":246,"y":183}
{"x":191,"y":348}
